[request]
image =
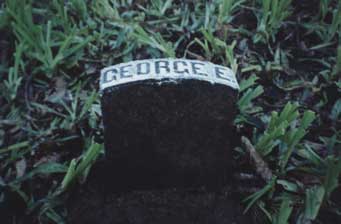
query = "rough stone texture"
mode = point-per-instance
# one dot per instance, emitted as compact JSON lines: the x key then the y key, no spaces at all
{"x":156,"y":207}
{"x":169,"y":134}
{"x":168,"y":157}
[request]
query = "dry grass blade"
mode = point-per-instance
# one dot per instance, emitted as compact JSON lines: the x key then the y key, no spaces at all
{"x":261,"y":166}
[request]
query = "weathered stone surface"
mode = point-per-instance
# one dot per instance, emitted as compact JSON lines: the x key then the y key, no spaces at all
{"x":157,"y":207}
{"x":168,"y":140}
{"x":168,"y":133}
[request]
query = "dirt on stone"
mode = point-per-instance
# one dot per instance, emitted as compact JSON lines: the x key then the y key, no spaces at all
{"x":169,"y":206}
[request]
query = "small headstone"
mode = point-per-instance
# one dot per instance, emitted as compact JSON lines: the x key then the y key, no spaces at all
{"x":168,"y":122}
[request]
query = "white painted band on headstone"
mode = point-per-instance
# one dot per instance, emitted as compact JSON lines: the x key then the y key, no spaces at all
{"x":166,"y":69}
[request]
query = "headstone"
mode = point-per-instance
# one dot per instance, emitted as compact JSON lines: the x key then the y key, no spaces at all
{"x":168,"y":123}
{"x":166,"y":206}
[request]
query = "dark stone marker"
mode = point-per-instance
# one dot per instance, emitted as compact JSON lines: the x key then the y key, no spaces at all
{"x":158,"y":207}
{"x":168,"y":123}
{"x":168,"y":132}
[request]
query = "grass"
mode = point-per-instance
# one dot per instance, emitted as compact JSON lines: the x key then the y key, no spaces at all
{"x":271,"y":16}
{"x":287,"y":57}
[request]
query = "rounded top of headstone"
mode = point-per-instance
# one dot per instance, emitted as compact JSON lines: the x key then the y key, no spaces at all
{"x":166,"y":69}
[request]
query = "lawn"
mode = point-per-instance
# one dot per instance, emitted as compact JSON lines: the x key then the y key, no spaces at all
{"x":287,"y":58}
